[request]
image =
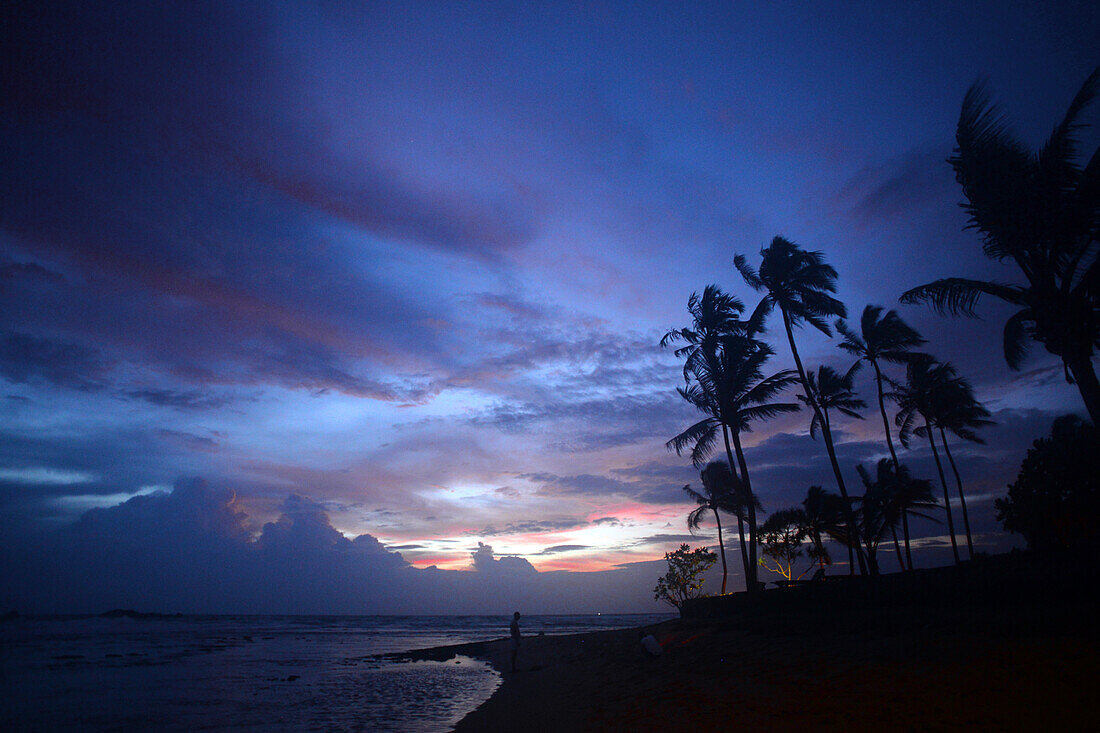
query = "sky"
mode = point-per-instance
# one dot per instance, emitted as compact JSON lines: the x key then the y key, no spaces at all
{"x":349,"y":307}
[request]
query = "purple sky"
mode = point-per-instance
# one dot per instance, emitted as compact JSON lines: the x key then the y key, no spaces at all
{"x":401,"y":271}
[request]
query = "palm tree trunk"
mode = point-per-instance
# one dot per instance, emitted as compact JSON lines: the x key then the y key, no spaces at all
{"x":897,"y":548}
{"x":962,"y":498}
{"x":721,"y":548}
{"x":749,"y":565}
{"x":897,"y":467}
{"x":828,"y":435}
{"x":1087,"y":384}
{"x":905,"y":530}
{"x":752,"y":580}
{"x":946,"y":497}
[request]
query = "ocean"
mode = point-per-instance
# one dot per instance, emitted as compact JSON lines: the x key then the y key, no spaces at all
{"x":288,"y":673}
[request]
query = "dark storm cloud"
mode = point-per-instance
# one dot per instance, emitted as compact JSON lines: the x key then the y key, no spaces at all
{"x":29,"y":359}
{"x":189,"y":440}
{"x":21,"y":271}
{"x":191,"y":550}
{"x":180,"y":399}
{"x":528,"y":527}
{"x":558,"y":549}
{"x":180,"y":199}
{"x":645,"y":489}
{"x":586,"y":484}
{"x":664,"y":539}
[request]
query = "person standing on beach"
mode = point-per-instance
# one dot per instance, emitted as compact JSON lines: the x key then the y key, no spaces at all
{"x":514,"y":628}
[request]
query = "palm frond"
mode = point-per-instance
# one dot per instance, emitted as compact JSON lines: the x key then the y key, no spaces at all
{"x":1016,"y":337}
{"x":957,"y":295}
{"x":750,"y":276}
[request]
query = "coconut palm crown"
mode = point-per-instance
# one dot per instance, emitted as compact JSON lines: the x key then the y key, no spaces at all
{"x":831,"y":391}
{"x":1041,"y":212}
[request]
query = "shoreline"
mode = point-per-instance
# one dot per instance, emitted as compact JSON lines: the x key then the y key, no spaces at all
{"x":1027,"y":663}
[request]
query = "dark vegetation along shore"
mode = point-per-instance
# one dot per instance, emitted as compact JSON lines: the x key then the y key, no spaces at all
{"x":1001,"y":643}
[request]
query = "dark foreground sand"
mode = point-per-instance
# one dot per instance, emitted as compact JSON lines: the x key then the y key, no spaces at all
{"x":1002,"y":667}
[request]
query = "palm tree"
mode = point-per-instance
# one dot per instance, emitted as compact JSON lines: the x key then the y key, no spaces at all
{"x":799,"y":284}
{"x":719,"y":494}
{"x":713,"y":315}
{"x":886,"y":497}
{"x":917,"y":398}
{"x":729,"y":388}
{"x":823,"y":512}
{"x":957,"y":410}
{"x":1040,"y":211}
{"x":830,"y":391}
{"x":882,"y":339}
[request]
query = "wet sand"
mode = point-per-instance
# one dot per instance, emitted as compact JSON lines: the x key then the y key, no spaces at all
{"x":995,"y":667}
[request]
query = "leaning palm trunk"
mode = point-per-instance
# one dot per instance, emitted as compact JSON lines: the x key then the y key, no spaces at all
{"x":750,"y":580}
{"x":908,"y":564}
{"x":946,"y":496}
{"x":748,"y":560}
{"x":721,"y":549}
{"x":897,"y":548}
{"x":1087,"y":384}
{"x":962,"y":498}
{"x":849,"y":515}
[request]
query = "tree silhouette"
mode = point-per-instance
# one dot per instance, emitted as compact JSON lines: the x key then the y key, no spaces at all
{"x":882,"y":338}
{"x":887,"y":495}
{"x":1055,"y":499}
{"x":729,"y":388}
{"x":957,"y":410}
{"x":823,"y":513}
{"x":799,"y":284}
{"x":721,"y":490}
{"x":1040,"y":211}
{"x":917,"y":400}
{"x":684,"y":578}
{"x":713,"y":315}
{"x":781,"y":538}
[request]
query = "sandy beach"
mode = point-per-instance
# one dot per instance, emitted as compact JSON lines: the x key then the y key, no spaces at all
{"x":986,"y":666}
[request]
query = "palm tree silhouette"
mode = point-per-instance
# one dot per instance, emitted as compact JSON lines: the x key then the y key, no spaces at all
{"x":886,"y":497}
{"x":729,"y":388}
{"x":956,"y":409}
{"x":799,"y":284}
{"x":1042,"y":212}
{"x":882,"y":338}
{"x":721,"y":492}
{"x":713,"y":315}
{"x":917,"y":399}
{"x":830,"y":391}
{"x":824,"y":512}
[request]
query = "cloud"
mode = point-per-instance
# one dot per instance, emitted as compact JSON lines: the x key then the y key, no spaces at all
{"x":664,"y":539}
{"x":557,"y":549}
{"x":180,"y":399}
{"x":25,"y":358}
{"x":533,"y":526}
{"x":16,"y":271}
{"x":485,"y":561}
{"x":894,"y":190}
{"x":194,"y":549}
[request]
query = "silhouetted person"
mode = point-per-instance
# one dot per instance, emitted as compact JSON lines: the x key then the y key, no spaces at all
{"x":514,"y":628}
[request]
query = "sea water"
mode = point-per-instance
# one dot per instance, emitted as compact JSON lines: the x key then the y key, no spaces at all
{"x":253,"y":672}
